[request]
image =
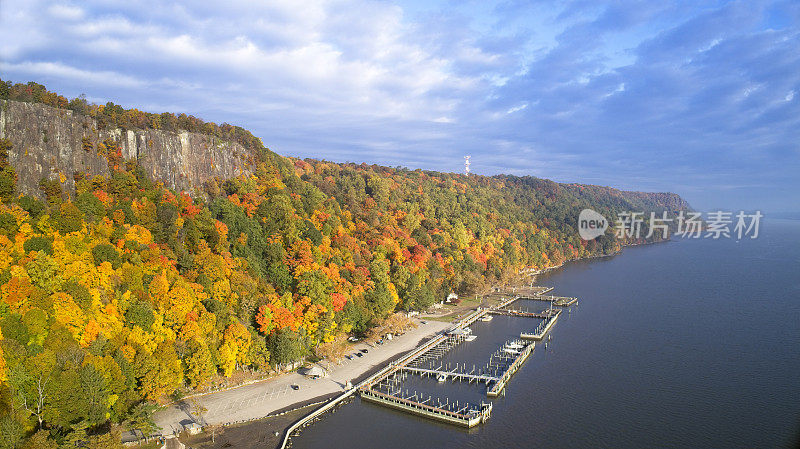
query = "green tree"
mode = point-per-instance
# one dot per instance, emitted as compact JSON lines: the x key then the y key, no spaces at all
{"x":140,"y":420}
{"x":11,"y":432}
{"x":286,"y":347}
{"x":70,"y":218}
{"x":106,"y":253}
{"x":39,"y":243}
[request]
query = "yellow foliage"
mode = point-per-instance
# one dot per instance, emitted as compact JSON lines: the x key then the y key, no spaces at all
{"x":159,"y":286}
{"x":235,"y":347}
{"x":139,"y":235}
{"x":128,"y":352}
{"x":68,"y":313}
{"x":90,"y":333}
{"x":17,"y":290}
{"x":139,"y":338}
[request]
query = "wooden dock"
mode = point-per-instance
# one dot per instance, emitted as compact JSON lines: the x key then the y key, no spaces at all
{"x":521,"y":313}
{"x":560,"y":301}
{"x":452,"y":375}
{"x":495,"y":389}
{"x":542,"y":329}
{"x":466,"y":416}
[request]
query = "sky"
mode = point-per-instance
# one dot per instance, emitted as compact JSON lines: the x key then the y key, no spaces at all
{"x":697,"y":98}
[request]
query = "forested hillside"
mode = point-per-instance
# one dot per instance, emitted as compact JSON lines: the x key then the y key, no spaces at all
{"x":122,"y":292}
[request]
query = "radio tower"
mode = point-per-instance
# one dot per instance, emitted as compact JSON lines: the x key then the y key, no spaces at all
{"x":466,"y":165}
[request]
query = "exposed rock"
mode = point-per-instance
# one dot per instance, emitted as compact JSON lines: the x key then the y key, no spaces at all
{"x":49,"y":142}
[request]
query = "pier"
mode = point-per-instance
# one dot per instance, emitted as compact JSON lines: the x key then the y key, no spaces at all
{"x":509,"y":371}
{"x":466,"y":416}
{"x":542,"y":329}
{"x":383,"y":387}
{"x":452,"y":375}
{"x":521,"y":313}
{"x":560,"y":301}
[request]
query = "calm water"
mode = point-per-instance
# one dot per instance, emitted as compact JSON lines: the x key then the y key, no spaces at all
{"x":682,"y":344}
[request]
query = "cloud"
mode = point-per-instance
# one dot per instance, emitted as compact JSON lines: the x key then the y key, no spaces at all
{"x":640,"y":95}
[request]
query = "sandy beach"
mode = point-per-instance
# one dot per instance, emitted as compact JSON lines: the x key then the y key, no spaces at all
{"x":262,"y":398}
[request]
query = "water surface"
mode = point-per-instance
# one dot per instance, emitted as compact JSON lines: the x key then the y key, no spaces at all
{"x":690,"y":343}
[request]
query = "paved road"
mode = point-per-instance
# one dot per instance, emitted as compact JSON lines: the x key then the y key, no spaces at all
{"x":262,"y":398}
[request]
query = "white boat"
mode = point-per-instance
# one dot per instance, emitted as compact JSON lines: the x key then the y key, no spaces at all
{"x":514,"y":345}
{"x":510,"y":351}
{"x":441,"y":377}
{"x":470,"y":337}
{"x":486,"y":317}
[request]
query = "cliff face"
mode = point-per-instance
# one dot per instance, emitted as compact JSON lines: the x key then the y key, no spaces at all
{"x":50,"y":142}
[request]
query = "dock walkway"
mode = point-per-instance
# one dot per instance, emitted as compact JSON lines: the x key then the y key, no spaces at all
{"x":456,"y":375}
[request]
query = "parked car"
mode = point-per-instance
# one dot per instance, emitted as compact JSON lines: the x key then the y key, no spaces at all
{"x":349,"y":357}
{"x":359,"y":354}
{"x":295,"y":387}
{"x":365,"y":350}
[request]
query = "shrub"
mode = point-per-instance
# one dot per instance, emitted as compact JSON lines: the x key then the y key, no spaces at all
{"x":140,"y":314}
{"x":31,"y":205}
{"x":70,"y":218}
{"x":90,"y":205}
{"x":8,"y":224}
{"x":106,"y":253}
{"x":39,"y":243}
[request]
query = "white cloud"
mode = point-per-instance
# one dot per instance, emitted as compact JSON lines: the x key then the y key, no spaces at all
{"x":54,"y":69}
{"x":403,"y":84}
{"x":65,"y":12}
{"x":517,"y":108}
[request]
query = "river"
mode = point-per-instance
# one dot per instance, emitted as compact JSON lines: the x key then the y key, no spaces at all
{"x":688,"y":343}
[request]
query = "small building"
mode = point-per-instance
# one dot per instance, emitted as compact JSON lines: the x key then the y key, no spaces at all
{"x":315,"y":372}
{"x":456,"y":331}
{"x":194,"y":428}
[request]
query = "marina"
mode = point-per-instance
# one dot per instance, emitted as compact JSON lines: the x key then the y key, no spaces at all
{"x":497,"y":372}
{"x":603,"y":379}
{"x":386,"y":386}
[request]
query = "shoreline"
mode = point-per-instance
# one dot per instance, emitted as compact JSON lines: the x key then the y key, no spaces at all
{"x":368,"y":370}
{"x":277,"y":396}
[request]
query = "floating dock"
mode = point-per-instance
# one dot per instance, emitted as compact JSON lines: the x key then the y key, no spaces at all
{"x":466,"y":416}
{"x":495,"y":389}
{"x":560,"y":301}
{"x":542,"y":329}
{"x":521,"y":313}
{"x":452,"y":375}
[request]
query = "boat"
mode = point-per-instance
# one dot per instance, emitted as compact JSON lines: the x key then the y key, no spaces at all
{"x":441,"y":378}
{"x":510,"y":351}
{"x":470,"y":337}
{"x":487,"y":318}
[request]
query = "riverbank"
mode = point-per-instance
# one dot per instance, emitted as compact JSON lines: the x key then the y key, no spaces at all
{"x":255,"y":406}
{"x":262,"y":399}
{"x":607,"y":364}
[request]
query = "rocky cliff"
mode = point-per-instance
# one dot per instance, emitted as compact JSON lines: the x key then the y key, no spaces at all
{"x":50,"y":142}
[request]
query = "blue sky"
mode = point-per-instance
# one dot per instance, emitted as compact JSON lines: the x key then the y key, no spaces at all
{"x":698,"y":98}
